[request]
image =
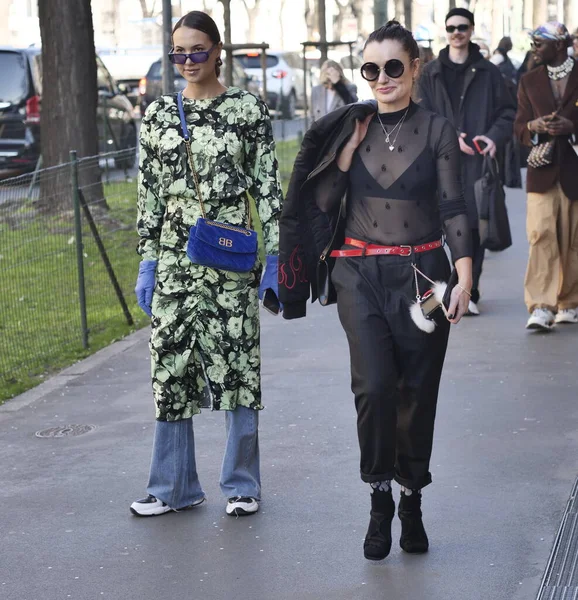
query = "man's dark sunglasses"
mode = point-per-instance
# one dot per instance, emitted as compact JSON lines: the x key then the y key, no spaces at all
{"x":180,"y":58}
{"x":536,"y":45}
{"x":393,"y":68}
{"x":461,"y":28}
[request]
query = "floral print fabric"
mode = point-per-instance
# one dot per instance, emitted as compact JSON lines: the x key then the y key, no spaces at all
{"x":205,"y":326}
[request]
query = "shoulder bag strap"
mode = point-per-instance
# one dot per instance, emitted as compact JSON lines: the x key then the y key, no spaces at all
{"x":187,"y":139}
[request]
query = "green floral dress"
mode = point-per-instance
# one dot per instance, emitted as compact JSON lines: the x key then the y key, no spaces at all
{"x":205,"y":327}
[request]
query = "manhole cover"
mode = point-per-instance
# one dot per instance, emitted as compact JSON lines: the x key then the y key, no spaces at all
{"x":64,"y":431}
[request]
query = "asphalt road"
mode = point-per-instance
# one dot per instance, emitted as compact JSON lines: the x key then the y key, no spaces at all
{"x":504,"y":462}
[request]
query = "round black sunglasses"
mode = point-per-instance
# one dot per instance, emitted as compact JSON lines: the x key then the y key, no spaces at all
{"x":393,"y":68}
{"x":180,"y":58}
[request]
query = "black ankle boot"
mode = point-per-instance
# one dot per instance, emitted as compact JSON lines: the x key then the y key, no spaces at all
{"x":413,"y":536}
{"x":377,"y":543}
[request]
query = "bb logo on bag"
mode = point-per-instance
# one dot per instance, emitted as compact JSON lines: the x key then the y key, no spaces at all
{"x":225,"y":242}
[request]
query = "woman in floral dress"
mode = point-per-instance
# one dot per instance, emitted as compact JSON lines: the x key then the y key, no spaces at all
{"x":205,"y":322}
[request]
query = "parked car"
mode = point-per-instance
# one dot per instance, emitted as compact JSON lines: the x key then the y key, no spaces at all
{"x":285,"y":88}
{"x":151,"y":86}
{"x":20,"y":114}
{"x":128,"y":66}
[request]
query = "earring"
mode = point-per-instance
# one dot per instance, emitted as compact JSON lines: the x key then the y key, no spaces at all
{"x":219,"y":62}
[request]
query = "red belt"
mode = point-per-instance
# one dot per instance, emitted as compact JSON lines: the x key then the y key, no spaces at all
{"x":373,"y":249}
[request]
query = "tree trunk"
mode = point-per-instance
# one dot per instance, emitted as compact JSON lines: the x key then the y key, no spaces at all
{"x":399,"y":9}
{"x":252,"y":14}
{"x":407,"y":14}
{"x":568,"y":13}
{"x":281,"y":24}
{"x":311,"y":18}
{"x":379,"y":13}
{"x":69,"y":100}
{"x":540,"y":12}
{"x":338,"y":20}
{"x":227,"y":38}
{"x":147,"y":12}
{"x":357,"y":10}
{"x":321,"y":14}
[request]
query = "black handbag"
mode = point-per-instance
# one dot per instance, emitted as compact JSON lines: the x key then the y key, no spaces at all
{"x":325,"y":289}
{"x":493,"y":221}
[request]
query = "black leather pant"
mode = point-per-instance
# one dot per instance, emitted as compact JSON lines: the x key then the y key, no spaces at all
{"x":395,"y":367}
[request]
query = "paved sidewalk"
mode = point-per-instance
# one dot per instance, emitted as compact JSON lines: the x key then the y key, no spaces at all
{"x":504,"y":462}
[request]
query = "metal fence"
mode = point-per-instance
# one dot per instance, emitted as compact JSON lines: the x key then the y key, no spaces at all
{"x":68,"y":262}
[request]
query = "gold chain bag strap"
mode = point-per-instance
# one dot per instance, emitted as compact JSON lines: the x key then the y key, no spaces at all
{"x":212,"y":243}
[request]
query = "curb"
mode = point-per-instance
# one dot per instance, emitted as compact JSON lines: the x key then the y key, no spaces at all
{"x":73,"y":372}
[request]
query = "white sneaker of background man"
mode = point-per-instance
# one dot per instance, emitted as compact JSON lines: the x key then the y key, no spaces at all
{"x":541,"y":319}
{"x":567,"y":315}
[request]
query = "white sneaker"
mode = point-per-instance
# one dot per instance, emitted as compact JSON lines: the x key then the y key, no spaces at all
{"x":567,"y":315}
{"x":473,"y":310}
{"x":151,"y":507}
{"x":541,"y":318}
{"x":240,"y":506}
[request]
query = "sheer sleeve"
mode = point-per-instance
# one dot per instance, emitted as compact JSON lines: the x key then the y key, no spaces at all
{"x":452,"y":206}
{"x":330,"y":185}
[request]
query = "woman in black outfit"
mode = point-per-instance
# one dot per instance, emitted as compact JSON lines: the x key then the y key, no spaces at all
{"x":400,"y":171}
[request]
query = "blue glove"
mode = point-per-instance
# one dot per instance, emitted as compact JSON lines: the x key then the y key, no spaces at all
{"x":269,"y":288}
{"x":145,"y":285}
{"x":270,"y":278}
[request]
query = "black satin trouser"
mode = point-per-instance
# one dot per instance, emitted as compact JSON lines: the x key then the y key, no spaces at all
{"x":395,"y":367}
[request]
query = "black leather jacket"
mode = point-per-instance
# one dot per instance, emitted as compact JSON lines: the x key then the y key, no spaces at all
{"x":304,"y":230}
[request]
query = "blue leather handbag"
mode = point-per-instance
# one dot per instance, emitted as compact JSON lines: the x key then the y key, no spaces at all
{"x":214,"y":244}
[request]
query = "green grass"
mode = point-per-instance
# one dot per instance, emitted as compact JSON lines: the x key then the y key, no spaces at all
{"x":286,"y":152}
{"x":40,"y":330}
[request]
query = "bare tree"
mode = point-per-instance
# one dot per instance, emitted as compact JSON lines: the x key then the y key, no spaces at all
{"x":311,"y":18}
{"x":407,"y":14}
{"x":568,"y":11}
{"x":357,"y":12}
{"x":227,"y":39}
{"x":208,"y":7}
{"x":148,"y":8}
{"x":540,"y":12}
{"x":69,"y":100}
{"x":379,"y":13}
{"x":343,"y":8}
{"x":253,"y":7}
{"x":281,"y":23}
{"x":355,"y":8}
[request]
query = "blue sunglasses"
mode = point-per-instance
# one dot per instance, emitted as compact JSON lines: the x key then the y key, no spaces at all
{"x":180,"y":58}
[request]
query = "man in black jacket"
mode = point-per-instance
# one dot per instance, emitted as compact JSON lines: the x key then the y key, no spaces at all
{"x":469,"y":91}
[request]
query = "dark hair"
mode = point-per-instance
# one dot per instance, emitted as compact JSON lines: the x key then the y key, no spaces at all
{"x":201,"y":21}
{"x":393,"y":30}
{"x":461,"y":12}
{"x":505,"y":44}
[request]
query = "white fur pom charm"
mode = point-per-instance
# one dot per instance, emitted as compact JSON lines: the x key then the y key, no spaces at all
{"x":439,"y":290}
{"x":419,"y":319}
{"x":416,"y":312}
